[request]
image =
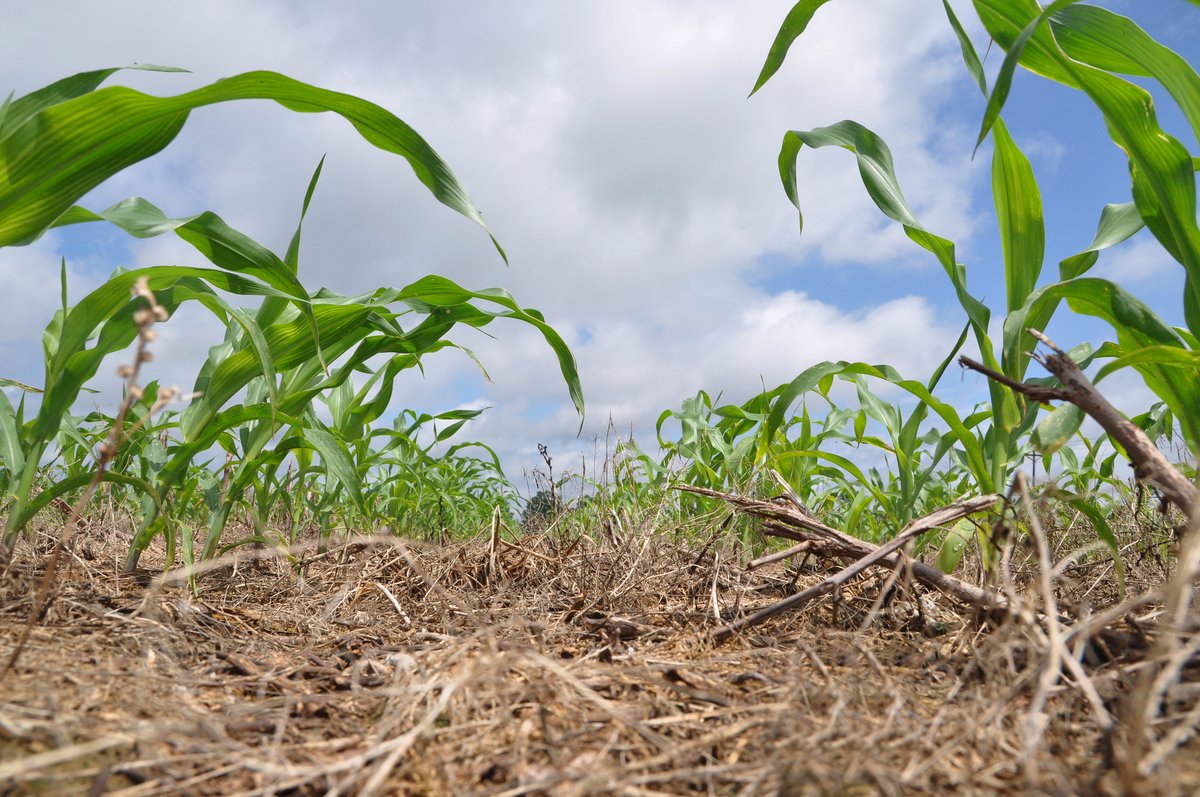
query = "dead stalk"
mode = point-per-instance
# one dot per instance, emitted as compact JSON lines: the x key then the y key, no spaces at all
{"x":145,"y":319}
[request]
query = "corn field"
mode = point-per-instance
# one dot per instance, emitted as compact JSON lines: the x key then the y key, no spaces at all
{"x":292,"y":449}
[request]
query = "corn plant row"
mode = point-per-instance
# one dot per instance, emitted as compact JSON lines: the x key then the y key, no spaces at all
{"x":255,"y":399}
{"x":287,"y":415}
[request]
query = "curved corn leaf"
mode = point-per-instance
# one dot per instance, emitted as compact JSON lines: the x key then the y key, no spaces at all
{"x":18,"y":112}
{"x":1096,"y":36}
{"x":110,"y":310}
{"x":439,"y":291}
{"x":1117,"y":224}
{"x":211,"y":236}
{"x":51,"y":157}
{"x":879,"y":177}
{"x":6,"y":382}
{"x":1167,"y":356}
{"x":846,"y":466}
{"x":72,"y":483}
{"x":789,"y":393}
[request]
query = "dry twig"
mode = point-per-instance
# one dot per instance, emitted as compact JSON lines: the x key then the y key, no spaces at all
{"x":867,"y":554}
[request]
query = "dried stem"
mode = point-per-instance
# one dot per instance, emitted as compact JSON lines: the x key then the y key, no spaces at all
{"x":865,"y":553}
{"x":145,"y":319}
{"x":1149,"y":464}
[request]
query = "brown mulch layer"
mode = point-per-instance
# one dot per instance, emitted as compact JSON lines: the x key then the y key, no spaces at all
{"x":547,"y":667}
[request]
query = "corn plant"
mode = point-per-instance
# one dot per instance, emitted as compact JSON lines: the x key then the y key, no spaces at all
{"x":1086,"y":48}
{"x":1080,"y":46}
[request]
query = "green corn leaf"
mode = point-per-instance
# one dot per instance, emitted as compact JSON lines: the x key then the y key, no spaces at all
{"x":1164,"y":188}
{"x":845,"y":465}
{"x":212,"y":237}
{"x":12,"y":452}
{"x":56,"y":154}
{"x":6,"y":382}
{"x":338,"y":463}
{"x":945,"y":443}
{"x":73,"y":483}
{"x":449,"y":431}
{"x":793,"y":25}
{"x":944,"y":364}
{"x":185,"y":453}
{"x":269,"y":310}
{"x":340,"y":401}
{"x":954,"y":545}
{"x":1087,"y":506}
{"x":972,"y":449}
{"x":1096,"y":36}
{"x":875,"y":407}
{"x":289,"y":343}
{"x":1057,"y":428}
{"x":1137,"y":328}
{"x":109,"y":309}
{"x":1166,"y":356}
{"x":1019,"y":214}
{"x":258,"y":343}
{"x":363,"y":411}
{"x":1117,"y":224}
{"x":789,"y":393}
{"x":879,"y":177}
{"x":62,"y":284}
{"x":493,"y":457}
{"x":292,"y":258}
{"x":18,"y":112}
{"x":1022,"y":236}
{"x":437,"y":290}
{"x":970,"y":56}
{"x":1040,"y":59}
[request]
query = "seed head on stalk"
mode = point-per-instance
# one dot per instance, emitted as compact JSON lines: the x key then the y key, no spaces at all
{"x":145,"y":318}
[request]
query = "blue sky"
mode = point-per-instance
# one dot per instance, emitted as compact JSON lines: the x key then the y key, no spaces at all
{"x":614,"y":153}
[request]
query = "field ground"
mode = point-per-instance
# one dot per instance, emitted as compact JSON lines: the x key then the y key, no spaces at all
{"x":554,"y":667}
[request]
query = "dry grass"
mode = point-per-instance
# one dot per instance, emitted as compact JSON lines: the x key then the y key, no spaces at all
{"x":561,"y":668}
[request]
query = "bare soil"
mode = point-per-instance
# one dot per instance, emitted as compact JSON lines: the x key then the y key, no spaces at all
{"x":550,"y":667}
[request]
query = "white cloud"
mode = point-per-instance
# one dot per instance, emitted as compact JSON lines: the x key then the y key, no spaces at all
{"x":1139,"y":262}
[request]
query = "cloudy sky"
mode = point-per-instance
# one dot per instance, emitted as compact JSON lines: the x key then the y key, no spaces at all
{"x":615,"y":155}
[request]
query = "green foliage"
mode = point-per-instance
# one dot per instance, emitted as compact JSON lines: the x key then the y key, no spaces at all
{"x":290,"y":427}
{"x":1086,"y":48}
{"x":61,"y":141}
{"x":256,"y":397}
